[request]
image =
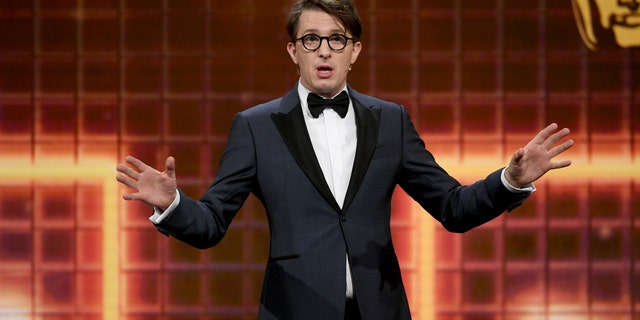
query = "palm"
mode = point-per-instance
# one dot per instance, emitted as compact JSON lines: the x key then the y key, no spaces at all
{"x":152,"y":187}
{"x":535,"y":159}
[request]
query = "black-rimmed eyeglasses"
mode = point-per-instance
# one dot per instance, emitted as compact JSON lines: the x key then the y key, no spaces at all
{"x":312,"y":42}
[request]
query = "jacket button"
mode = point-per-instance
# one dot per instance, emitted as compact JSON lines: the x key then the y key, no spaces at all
{"x":344,"y":218}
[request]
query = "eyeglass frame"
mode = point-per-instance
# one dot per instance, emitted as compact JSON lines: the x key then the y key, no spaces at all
{"x":301,"y":39}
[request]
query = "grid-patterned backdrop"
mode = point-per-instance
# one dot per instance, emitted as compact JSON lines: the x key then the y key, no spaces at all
{"x":85,"y":82}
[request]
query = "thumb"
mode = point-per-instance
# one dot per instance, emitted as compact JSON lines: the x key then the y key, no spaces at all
{"x":518,"y":155}
{"x":170,"y":165}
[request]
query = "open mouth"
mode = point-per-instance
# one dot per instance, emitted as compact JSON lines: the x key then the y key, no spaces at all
{"x":324,"y":71}
{"x":626,"y":20}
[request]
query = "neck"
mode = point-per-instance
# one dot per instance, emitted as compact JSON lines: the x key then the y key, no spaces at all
{"x":326,"y":95}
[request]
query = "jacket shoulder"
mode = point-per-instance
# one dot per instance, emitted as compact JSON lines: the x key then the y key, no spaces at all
{"x":371,"y":101}
{"x":268,"y":107}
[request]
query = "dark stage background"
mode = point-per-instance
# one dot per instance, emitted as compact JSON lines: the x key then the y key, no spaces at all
{"x":83,"y":83}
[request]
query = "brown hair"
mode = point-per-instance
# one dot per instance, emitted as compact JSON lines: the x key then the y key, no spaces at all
{"x":343,"y":10}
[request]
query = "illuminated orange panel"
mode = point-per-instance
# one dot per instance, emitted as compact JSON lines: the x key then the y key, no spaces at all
{"x":56,"y":173}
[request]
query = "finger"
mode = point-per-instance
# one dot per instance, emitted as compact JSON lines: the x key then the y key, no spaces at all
{"x":561,"y":148}
{"x":141,"y":166}
{"x":560,"y":164}
{"x":170,"y":165}
{"x":127,"y":181}
{"x":554,"y":138}
{"x":131,"y":196}
{"x":544,"y":134}
{"x":121,"y":167}
{"x":128,"y":171}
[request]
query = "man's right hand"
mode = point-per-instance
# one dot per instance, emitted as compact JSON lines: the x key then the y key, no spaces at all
{"x":155,"y":188}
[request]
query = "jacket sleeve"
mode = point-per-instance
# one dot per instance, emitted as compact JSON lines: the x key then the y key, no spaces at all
{"x":458,"y":208}
{"x":204,"y":223}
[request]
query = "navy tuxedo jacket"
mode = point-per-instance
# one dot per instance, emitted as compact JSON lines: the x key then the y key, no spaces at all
{"x":269,"y":154}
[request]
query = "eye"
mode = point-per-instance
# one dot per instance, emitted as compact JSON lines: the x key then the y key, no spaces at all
{"x":337,"y":38}
{"x":311,"y":38}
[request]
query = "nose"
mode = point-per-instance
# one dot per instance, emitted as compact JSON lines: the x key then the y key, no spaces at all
{"x":324,"y":49}
{"x":633,"y":5}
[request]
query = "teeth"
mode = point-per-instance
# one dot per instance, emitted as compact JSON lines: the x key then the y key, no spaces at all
{"x":632,"y":20}
{"x":627,"y":20}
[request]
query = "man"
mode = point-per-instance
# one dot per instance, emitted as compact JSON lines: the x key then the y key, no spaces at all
{"x":326,"y":179}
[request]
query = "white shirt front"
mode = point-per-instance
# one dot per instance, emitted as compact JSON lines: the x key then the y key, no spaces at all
{"x":334,"y":141}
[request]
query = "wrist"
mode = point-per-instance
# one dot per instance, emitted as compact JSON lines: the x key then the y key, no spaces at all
{"x":510,"y":180}
{"x":173,"y":200}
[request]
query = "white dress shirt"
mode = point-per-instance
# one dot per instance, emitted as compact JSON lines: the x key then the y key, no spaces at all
{"x":334,"y":141}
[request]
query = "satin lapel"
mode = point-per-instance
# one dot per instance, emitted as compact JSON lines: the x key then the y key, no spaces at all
{"x":367,"y":123}
{"x":295,"y":135}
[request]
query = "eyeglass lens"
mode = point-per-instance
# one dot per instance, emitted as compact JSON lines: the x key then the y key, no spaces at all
{"x":312,"y":42}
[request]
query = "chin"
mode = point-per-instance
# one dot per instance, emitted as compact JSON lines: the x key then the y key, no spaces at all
{"x":327,"y":86}
{"x":323,"y":88}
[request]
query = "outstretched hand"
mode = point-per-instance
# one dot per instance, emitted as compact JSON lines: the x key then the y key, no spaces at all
{"x":155,"y":188}
{"x":534,"y":160}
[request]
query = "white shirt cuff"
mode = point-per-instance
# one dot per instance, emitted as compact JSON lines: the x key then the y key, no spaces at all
{"x":528,"y":188}
{"x":159,"y":215}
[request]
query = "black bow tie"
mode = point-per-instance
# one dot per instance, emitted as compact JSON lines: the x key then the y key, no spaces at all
{"x":317,"y":104}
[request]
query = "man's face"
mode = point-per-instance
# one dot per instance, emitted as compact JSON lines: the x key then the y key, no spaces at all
{"x":622,"y":17}
{"x":323,"y":71}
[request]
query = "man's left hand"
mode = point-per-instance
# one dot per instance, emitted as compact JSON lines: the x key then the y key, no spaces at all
{"x":534,"y":160}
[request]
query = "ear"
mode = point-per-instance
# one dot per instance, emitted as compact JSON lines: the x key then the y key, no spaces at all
{"x":291,"y":48}
{"x":357,"y":47}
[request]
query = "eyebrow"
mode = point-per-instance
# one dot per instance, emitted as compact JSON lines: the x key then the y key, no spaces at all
{"x":312,"y":31}
{"x":334,"y":31}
